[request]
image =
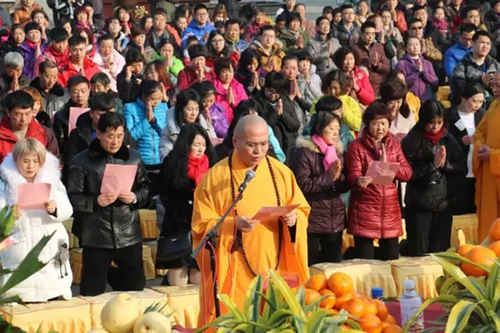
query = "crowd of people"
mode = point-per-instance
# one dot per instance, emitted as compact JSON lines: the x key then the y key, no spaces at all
{"x":176,"y":91}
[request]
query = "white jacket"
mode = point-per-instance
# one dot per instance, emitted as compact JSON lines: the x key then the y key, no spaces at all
{"x":55,"y":278}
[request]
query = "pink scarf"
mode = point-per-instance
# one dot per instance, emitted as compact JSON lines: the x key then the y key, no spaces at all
{"x":329,"y":151}
{"x":441,"y":25}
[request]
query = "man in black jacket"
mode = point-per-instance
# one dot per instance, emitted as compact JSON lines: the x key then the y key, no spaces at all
{"x":107,"y":224}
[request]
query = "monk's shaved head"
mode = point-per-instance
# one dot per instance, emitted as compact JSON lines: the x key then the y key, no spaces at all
{"x":250,"y":123}
{"x":251,"y":139}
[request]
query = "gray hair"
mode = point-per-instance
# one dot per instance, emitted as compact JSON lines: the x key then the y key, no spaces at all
{"x":29,"y":146}
{"x":13,"y":59}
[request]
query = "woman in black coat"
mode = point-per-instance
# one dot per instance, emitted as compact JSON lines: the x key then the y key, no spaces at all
{"x":461,"y":122}
{"x":182,"y":170}
{"x":437,"y":161}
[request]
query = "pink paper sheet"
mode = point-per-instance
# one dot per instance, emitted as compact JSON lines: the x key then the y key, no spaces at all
{"x":118,"y":179}
{"x":269,"y":213}
{"x":33,"y":195}
{"x":383,"y":173}
{"x":74,"y":113}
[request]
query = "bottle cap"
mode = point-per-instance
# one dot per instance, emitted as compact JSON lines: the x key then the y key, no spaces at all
{"x":377,"y":292}
{"x":409,"y":288}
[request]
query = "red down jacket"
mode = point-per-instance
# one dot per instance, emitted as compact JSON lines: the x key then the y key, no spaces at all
{"x":374,"y":211}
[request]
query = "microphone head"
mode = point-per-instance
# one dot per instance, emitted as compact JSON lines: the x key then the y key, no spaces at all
{"x":250,"y":175}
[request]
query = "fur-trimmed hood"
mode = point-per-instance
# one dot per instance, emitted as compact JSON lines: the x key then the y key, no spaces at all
{"x":306,"y":142}
{"x":12,"y":178}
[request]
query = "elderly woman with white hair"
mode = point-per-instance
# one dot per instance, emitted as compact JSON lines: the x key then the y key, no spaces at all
{"x":29,"y":162}
{"x":11,"y":78}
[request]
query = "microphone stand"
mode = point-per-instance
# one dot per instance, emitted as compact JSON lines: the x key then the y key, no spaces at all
{"x":209,"y":239}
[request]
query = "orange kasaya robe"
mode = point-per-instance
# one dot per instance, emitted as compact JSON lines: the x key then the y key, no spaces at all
{"x":487,"y":185}
{"x":211,"y":199}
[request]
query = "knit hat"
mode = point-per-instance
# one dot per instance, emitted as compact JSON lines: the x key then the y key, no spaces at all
{"x":32,"y":26}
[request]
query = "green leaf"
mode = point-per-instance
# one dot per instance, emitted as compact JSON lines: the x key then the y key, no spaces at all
{"x":492,"y":284}
{"x":253,"y":299}
{"x":459,"y":316}
{"x":29,"y":266}
{"x":3,"y":222}
{"x":13,"y":299}
{"x":9,"y":223}
{"x":231,"y":306}
{"x":271,"y":304}
{"x":287,"y":294}
{"x":473,"y":287}
{"x":278,"y":317}
{"x":315,"y":321}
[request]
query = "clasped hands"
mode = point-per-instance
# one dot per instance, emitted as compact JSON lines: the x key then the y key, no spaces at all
{"x":247,"y":224}
{"x":106,"y":199}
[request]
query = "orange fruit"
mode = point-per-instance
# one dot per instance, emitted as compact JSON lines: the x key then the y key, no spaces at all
{"x":494,"y":234}
{"x":328,"y":302}
{"x":495,"y":247}
{"x":392,"y":328}
{"x":371,"y":306}
{"x":479,"y":255}
{"x":316,"y":282}
{"x":390,"y":319}
{"x":341,"y":284}
{"x":311,"y":295}
{"x":371,"y":323}
{"x":382,"y":311}
{"x":463,"y":249}
{"x":341,"y":300}
{"x":355,"y":307}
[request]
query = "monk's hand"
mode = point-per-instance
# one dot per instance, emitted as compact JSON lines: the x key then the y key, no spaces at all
{"x":245,"y":224}
{"x":290,"y":219}
{"x":483,"y":152}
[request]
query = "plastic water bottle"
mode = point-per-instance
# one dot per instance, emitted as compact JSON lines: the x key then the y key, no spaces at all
{"x":410,"y":302}
{"x":378,"y":293}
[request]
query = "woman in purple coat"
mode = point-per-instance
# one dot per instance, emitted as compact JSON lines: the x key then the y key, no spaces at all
{"x":419,"y":73}
{"x":32,"y":48}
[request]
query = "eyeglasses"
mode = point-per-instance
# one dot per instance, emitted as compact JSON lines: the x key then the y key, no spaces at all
{"x":417,"y":28}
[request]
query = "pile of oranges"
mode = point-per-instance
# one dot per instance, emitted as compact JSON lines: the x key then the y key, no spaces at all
{"x":371,"y":314}
{"x":481,"y":254}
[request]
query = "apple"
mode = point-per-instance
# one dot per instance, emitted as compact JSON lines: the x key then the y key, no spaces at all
{"x":120,"y":313}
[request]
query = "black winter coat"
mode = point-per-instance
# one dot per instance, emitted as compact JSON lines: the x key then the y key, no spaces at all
{"x":328,"y":212}
{"x":432,"y":188}
{"x":285,"y":126}
{"x":176,"y":193}
{"x":117,"y":225}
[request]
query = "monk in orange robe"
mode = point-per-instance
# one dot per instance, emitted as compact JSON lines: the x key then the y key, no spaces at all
{"x":486,"y":144}
{"x":246,"y":247}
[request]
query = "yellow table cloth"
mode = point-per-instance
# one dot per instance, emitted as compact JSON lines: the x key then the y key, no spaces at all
{"x":146,"y":298}
{"x":468,"y":223}
{"x":423,"y":270}
{"x":185,"y":302}
{"x":73,"y":240}
{"x":366,"y":274}
{"x":72,"y":316}
{"x":149,"y":228}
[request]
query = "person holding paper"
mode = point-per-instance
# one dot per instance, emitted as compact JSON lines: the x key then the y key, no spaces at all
{"x":18,"y":123}
{"x":374,"y":210}
{"x":438,"y":163}
{"x":318,"y":168}
{"x":247,"y":247}
{"x":486,"y":145}
{"x":79,"y":89}
{"x":30,"y":164}
{"x":181,"y":171}
{"x":107,"y":224}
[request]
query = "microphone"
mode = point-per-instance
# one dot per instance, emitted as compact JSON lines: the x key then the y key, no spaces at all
{"x":248,"y":177}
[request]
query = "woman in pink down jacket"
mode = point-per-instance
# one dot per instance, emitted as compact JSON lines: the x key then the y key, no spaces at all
{"x":228,"y":91}
{"x":374,"y":210}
